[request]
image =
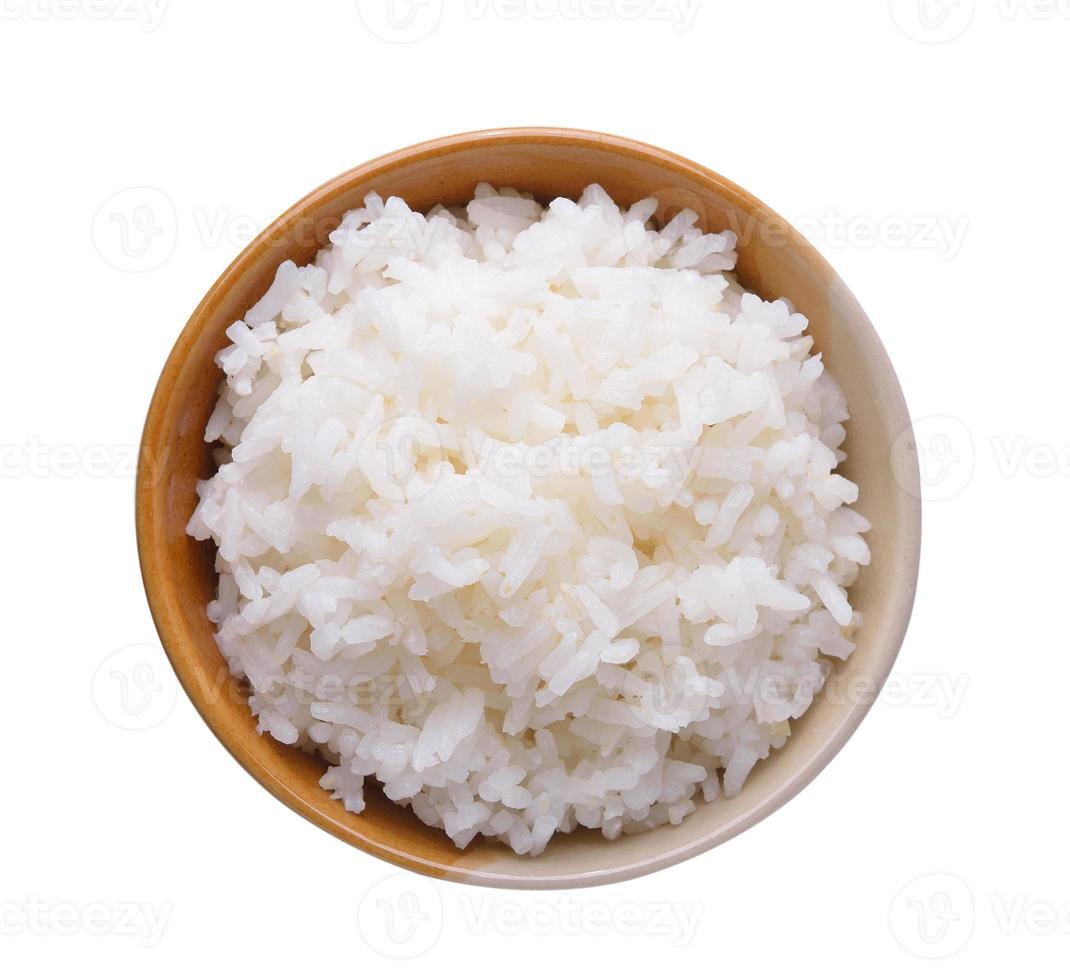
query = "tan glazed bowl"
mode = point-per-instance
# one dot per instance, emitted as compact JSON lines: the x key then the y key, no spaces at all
{"x":774,"y":261}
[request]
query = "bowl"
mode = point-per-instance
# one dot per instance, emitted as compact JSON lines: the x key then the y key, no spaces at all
{"x":774,"y":261}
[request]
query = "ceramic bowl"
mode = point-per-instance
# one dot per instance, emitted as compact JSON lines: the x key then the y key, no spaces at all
{"x":774,"y":261}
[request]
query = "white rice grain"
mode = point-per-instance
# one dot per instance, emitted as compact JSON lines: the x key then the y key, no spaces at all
{"x":528,"y":514}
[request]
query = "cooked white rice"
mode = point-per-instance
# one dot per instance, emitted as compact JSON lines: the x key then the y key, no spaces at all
{"x":528,"y":514}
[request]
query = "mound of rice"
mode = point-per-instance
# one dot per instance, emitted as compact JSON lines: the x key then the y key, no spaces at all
{"x":530,"y":515}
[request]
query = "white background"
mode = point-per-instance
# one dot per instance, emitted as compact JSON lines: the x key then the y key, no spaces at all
{"x":920,"y":144}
